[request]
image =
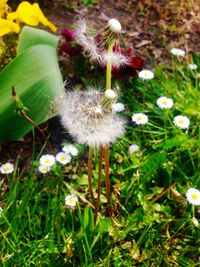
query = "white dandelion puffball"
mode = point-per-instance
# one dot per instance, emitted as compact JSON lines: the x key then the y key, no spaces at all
{"x":164,"y":102}
{"x":193,"y":66}
{"x":146,"y":75}
{"x":83,"y":115}
{"x":47,"y":160}
{"x":7,"y":168}
{"x":63,"y":158}
{"x":133,"y":148}
{"x":109,"y":93}
{"x":44,"y":169}
{"x":71,"y":200}
{"x":70,"y":149}
{"x":139,"y":118}
{"x":177,"y":52}
{"x":115,"y":25}
{"x":181,"y":121}
{"x":118,"y":107}
{"x":193,"y":196}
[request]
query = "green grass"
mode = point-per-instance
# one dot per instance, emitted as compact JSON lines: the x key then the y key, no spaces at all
{"x":37,"y":229}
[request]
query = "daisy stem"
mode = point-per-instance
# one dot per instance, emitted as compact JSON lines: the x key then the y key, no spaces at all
{"x":99,"y":183}
{"x":90,"y":157}
{"x":107,"y":173}
{"x":109,"y":66}
{"x":193,"y":211}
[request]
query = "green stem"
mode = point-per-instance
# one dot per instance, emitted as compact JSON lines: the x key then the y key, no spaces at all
{"x":107,"y":173}
{"x":90,"y":157}
{"x":193,"y":211}
{"x":109,"y":66}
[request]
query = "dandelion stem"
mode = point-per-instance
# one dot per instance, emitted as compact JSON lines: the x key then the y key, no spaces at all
{"x":99,"y":183}
{"x":109,"y":66}
{"x":90,"y":157}
{"x":107,"y":173}
{"x":164,"y":192}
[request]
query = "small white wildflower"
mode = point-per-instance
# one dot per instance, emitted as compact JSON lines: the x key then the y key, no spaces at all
{"x":195,"y":221}
{"x":109,"y":93}
{"x":193,"y":66}
{"x":7,"y":168}
{"x":181,"y":121}
{"x":1,"y":210}
{"x":63,"y":158}
{"x":146,"y":75}
{"x":70,"y":149}
{"x":47,"y":160}
{"x":115,"y":25}
{"x":43,"y":169}
{"x":139,"y":118}
{"x":118,"y":107}
{"x":164,"y":102}
{"x":193,"y":196}
{"x":133,"y":148}
{"x":177,"y":52}
{"x":71,"y":200}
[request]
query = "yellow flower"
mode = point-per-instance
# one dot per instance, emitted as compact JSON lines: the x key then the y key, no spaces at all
{"x":7,"y":26}
{"x":31,"y":15}
{"x":3,"y":7}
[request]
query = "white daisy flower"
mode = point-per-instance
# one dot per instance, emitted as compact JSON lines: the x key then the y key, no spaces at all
{"x":193,"y":66}
{"x":63,"y":158}
{"x":47,"y":160}
{"x":181,"y":121}
{"x":146,"y":75}
{"x":133,"y":148}
{"x":109,"y":93}
{"x":7,"y":168}
{"x":193,"y":196}
{"x":71,"y":200}
{"x":164,"y":102}
{"x":43,"y":169}
{"x":115,"y":25}
{"x":70,"y":149}
{"x":177,"y":52}
{"x":139,"y":118}
{"x":118,"y":107}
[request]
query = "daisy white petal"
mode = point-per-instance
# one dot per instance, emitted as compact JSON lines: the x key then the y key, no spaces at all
{"x":118,"y":107}
{"x":71,"y":200}
{"x":181,"y":121}
{"x":193,"y":196}
{"x":146,"y":75}
{"x":70,"y":149}
{"x":7,"y":168}
{"x":43,"y":169}
{"x":177,"y":52}
{"x":133,"y":148}
{"x":63,"y":158}
{"x":193,"y":66}
{"x":47,"y":160}
{"x":139,"y":118}
{"x":164,"y":102}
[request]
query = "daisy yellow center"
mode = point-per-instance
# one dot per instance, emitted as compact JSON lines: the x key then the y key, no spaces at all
{"x":181,"y":121}
{"x":47,"y":160}
{"x":71,"y":200}
{"x":62,"y":158}
{"x":7,"y":168}
{"x":146,"y":74}
{"x":44,"y":169}
{"x":164,"y":102}
{"x":139,"y":118}
{"x":194,"y":196}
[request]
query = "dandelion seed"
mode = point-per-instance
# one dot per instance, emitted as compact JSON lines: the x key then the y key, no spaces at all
{"x":177,"y":52}
{"x":181,"y":121}
{"x":139,"y":118}
{"x":43,"y":169}
{"x":63,"y":158}
{"x":146,"y":75}
{"x":87,"y":120}
{"x":118,"y":107}
{"x":7,"y":168}
{"x":71,"y":200}
{"x":133,"y":148}
{"x":70,"y":149}
{"x":115,"y":25}
{"x":164,"y":102}
{"x":193,"y":196}
{"x":193,"y":66}
{"x":47,"y":160}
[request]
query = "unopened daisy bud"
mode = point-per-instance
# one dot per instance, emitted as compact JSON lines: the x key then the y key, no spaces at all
{"x":7,"y":168}
{"x":109,"y":93}
{"x":195,"y":222}
{"x":115,"y":25}
{"x":133,"y":148}
{"x":193,"y":66}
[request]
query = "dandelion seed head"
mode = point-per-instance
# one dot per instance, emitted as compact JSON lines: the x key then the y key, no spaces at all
{"x":193,"y":196}
{"x":109,"y":93}
{"x":7,"y":168}
{"x":114,"y":25}
{"x":83,"y":115}
{"x":118,"y":107}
